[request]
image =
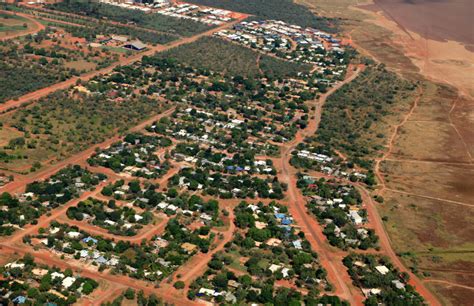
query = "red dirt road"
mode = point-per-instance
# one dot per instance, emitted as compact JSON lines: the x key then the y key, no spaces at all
{"x":35,"y":29}
{"x":384,"y":241}
{"x":147,"y":232}
{"x":337,"y":274}
{"x":12,"y":104}
{"x":20,"y":182}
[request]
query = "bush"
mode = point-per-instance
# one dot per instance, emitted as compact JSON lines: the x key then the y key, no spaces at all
{"x":179,"y":285}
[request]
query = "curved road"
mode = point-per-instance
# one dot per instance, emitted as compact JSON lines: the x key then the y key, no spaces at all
{"x":37,"y":26}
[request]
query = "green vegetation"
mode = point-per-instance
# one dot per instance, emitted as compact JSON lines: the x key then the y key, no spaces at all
{"x":9,"y":23}
{"x":41,"y":197}
{"x":91,"y":30}
{"x":134,"y":155}
{"x":156,"y":22}
{"x":284,"y":10}
{"x":42,"y":60}
{"x":216,"y":54}
{"x":64,"y":123}
{"x":267,"y":248}
{"x":141,"y":299}
{"x":339,"y":210}
{"x":353,"y":117}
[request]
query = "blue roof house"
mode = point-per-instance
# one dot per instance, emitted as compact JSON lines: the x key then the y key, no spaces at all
{"x":19,"y":299}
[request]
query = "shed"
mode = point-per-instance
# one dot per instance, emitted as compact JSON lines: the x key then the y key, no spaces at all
{"x":135,"y":45}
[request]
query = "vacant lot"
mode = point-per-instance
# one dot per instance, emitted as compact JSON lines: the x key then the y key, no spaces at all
{"x":222,"y":56}
{"x":63,"y":124}
{"x":10,"y":24}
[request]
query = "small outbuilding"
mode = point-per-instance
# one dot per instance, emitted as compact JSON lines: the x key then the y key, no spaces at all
{"x":135,"y":45}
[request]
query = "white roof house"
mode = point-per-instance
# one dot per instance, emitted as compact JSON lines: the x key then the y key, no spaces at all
{"x":57,"y":275}
{"x":74,"y":234}
{"x":68,"y":281}
{"x":382,"y":269}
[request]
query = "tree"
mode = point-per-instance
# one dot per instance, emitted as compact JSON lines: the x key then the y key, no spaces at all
{"x":129,"y":294}
{"x":87,"y":288}
{"x":179,"y":285}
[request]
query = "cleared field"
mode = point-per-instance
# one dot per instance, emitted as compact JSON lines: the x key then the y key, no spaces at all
{"x":438,"y":142}
{"x":453,"y":182}
{"x":10,"y":24}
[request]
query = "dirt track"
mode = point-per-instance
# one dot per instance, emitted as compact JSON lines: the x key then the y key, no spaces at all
{"x":36,"y":27}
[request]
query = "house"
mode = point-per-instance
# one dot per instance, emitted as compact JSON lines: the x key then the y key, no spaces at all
{"x":234,"y":284}
{"x":382,"y":269}
{"x":372,"y":291}
{"x":54,"y":292}
{"x":172,"y":207}
{"x":189,"y":247}
{"x":87,"y":239}
{"x":57,"y":275}
{"x":68,"y":281}
{"x":273,"y":268}
{"x":19,"y":299}
{"x":260,"y":225}
{"x":162,"y":205}
{"x":398,"y":284}
{"x":208,"y":292}
{"x":286,"y":221}
{"x":13,"y":265}
{"x":84,"y":253}
{"x":206,"y":217}
{"x":119,"y":38}
{"x":280,"y":216}
{"x":135,"y":45}
{"x":101,"y":260}
{"x":355,"y":217}
{"x":138,"y":218}
{"x":273,"y":242}
{"x":113,"y":262}
{"x":297,"y":244}
{"x":73,"y":235}
{"x":230,"y":298}
{"x":110,"y":222}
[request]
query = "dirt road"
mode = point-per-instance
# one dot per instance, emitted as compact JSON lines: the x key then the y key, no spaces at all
{"x":387,"y":249}
{"x":12,"y":104}
{"x":20,"y":183}
{"x":146,"y":233}
{"x":35,"y":29}
{"x":337,"y":274}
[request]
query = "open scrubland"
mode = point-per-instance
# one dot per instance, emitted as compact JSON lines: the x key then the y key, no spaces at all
{"x":425,"y":172}
{"x":219,"y":55}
